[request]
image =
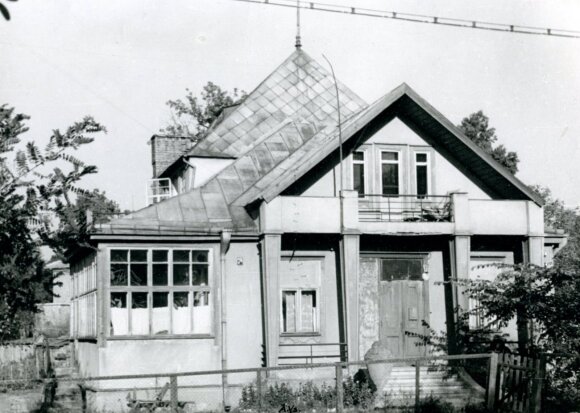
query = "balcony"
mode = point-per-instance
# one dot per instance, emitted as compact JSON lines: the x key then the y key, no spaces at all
{"x":405,"y":208}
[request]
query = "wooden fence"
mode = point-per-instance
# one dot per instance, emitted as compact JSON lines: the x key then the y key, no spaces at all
{"x":515,"y":383}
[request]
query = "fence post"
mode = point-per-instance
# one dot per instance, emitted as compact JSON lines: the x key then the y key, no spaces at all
{"x":339,"y":389}
{"x":539,"y":376}
{"x":173,"y":393}
{"x":492,"y":381}
{"x":417,"y":384}
{"x":259,"y":389}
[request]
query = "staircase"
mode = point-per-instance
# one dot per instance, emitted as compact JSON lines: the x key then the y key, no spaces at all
{"x":68,"y":398}
{"x":399,"y":390}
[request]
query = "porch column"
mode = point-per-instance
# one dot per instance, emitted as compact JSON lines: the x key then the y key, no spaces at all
{"x":271,"y":252}
{"x":462,"y":252}
{"x":535,"y":250}
{"x":350,"y":265}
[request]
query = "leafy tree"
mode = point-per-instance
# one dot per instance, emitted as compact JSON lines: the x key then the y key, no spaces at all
{"x":4,"y":11}
{"x":29,"y":191}
{"x":193,"y":116}
{"x":476,"y":127}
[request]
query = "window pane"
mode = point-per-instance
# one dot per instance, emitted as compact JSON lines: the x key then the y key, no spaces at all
{"x":181,"y":313}
{"x":358,"y":176}
{"x":308,"y":311}
{"x":390,"y":156}
{"x":401,"y":269}
{"x":139,"y":314}
{"x":199,"y":274}
{"x":421,"y":179}
{"x":119,"y":255}
{"x":138,"y":274}
{"x":390,"y":179}
{"x":201,"y":313}
{"x":161,"y":313}
{"x":138,"y":255}
{"x":181,"y":256}
{"x":160,"y":255}
{"x":160,"y":274}
{"x":358,"y":156}
{"x":421,"y":157}
{"x":119,"y":315}
{"x":289,"y":311}
{"x":199,"y":256}
{"x":180,"y":274}
{"x":119,"y":274}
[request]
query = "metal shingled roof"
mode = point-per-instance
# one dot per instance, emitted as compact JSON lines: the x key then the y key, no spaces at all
{"x":299,"y":89}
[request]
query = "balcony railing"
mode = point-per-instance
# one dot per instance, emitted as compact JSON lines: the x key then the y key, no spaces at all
{"x":405,"y":208}
{"x":311,"y":352}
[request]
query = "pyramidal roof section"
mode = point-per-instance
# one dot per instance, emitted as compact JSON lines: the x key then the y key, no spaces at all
{"x":299,"y":89}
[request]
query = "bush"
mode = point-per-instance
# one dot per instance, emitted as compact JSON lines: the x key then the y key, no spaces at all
{"x":433,"y":404}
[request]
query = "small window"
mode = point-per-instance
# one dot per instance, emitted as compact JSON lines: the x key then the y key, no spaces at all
{"x":422,"y":174}
{"x":396,"y":269}
{"x":390,"y":173}
{"x":299,"y":311}
{"x":358,"y":172}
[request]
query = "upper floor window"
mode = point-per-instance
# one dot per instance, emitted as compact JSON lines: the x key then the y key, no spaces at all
{"x":422,"y":173}
{"x":160,"y":291}
{"x":358,"y":172}
{"x":390,"y":173}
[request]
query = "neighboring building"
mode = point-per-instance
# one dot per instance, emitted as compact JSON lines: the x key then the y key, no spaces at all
{"x":53,"y":318}
{"x":258,"y":243}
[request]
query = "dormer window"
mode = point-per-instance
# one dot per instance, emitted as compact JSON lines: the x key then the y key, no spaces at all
{"x":390,"y":173}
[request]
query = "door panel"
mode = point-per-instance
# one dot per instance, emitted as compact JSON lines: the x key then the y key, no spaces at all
{"x":391,"y":316}
{"x":414,"y":313}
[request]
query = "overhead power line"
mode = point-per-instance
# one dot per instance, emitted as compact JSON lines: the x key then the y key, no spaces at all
{"x":419,"y":18}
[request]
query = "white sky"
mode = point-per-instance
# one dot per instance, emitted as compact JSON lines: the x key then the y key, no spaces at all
{"x":120,"y":61}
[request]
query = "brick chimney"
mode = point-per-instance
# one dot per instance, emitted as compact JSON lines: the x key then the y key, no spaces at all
{"x":167,"y":149}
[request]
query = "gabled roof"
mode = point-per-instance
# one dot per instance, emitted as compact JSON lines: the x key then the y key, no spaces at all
{"x":299,"y":89}
{"x":269,"y":163}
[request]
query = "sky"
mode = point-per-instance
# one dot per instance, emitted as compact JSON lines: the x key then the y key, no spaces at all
{"x":121,"y":61}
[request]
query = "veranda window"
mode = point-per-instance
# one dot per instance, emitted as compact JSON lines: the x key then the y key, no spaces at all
{"x":299,"y":311}
{"x":160,"y":292}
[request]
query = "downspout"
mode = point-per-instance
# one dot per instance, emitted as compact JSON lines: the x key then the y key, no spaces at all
{"x":225,"y":239}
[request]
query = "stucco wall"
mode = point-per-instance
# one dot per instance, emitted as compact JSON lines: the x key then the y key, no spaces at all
{"x":244,"y":310}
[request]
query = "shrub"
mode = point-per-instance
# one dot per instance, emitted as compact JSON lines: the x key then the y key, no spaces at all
{"x":432,"y":404}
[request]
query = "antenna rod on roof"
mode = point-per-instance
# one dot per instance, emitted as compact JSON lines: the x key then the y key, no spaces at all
{"x":339,"y":125}
{"x":298,"y":44}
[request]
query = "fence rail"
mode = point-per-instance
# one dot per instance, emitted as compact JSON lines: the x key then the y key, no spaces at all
{"x":405,"y":208}
{"x":312,"y":354}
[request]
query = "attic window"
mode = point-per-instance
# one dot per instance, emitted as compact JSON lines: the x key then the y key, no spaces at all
{"x":358,"y":172}
{"x":390,"y":172}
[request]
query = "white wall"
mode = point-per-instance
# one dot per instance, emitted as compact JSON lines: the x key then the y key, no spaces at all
{"x":206,"y":168}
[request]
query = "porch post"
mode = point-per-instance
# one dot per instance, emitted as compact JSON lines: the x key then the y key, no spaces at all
{"x":350,"y":264}
{"x":271,"y":251}
{"x":462,"y":267}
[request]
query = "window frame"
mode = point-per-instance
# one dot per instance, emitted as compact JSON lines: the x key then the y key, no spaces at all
{"x":398,"y":162}
{"x":365,"y":169}
{"x":171,"y":289}
{"x":426,"y":164}
{"x":298,"y":319}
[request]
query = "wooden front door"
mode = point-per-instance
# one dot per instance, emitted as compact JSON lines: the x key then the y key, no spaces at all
{"x":403,"y":305}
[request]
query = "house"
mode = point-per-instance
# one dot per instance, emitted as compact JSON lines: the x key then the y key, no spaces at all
{"x":259,"y":237}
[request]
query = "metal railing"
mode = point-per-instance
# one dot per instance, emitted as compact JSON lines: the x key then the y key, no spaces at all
{"x":405,"y":208}
{"x":311,"y":353}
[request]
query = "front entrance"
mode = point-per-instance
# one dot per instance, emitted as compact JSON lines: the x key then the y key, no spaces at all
{"x":402,"y":305}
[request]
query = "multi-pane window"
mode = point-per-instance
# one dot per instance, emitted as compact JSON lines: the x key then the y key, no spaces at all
{"x":299,"y":311}
{"x":390,"y":173}
{"x":160,"y":291}
{"x":422,"y":173}
{"x":358,"y":172}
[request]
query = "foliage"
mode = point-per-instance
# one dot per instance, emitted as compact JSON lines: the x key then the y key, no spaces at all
{"x":28,"y":192}
{"x":432,"y":404}
{"x":476,"y":127}
{"x":308,"y":396}
{"x":192,"y":116}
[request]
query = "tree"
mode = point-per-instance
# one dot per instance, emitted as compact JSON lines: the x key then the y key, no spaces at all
{"x":192,"y":116}
{"x":476,"y":127}
{"x":27,"y":190}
